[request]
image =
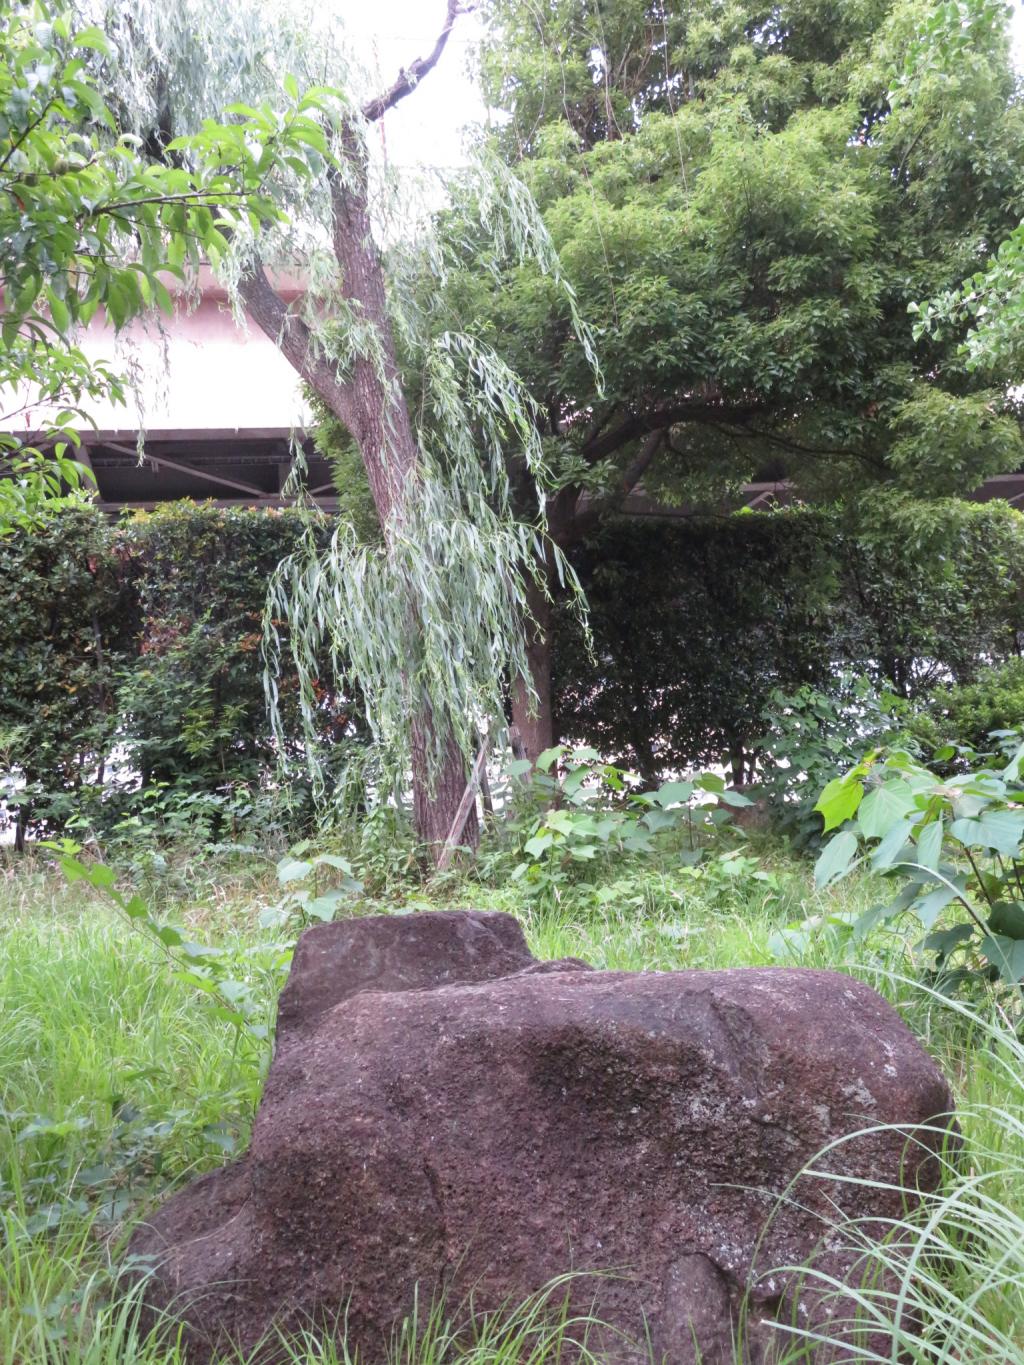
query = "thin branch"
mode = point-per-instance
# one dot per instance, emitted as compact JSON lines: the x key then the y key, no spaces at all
{"x":293,"y":338}
{"x":198,"y":197}
{"x":598,"y":423}
{"x":409,"y":77}
{"x":635,"y":472}
{"x":591,"y":512}
{"x":795,"y":447}
{"x":27,"y":132}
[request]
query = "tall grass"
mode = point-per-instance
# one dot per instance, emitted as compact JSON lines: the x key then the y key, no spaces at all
{"x":944,"y":1285}
{"x":116,"y":1081}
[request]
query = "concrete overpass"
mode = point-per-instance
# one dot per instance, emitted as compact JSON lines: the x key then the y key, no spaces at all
{"x":219,"y":413}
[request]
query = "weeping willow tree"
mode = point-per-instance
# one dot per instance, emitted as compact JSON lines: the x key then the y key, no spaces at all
{"x":432,"y":622}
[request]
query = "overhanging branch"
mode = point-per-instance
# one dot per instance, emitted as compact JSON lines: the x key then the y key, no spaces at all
{"x":409,"y":77}
{"x":292,"y":337}
{"x":660,"y":419}
{"x":587,"y":514}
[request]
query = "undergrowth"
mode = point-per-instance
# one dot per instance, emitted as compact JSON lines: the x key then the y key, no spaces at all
{"x":117,"y":1082}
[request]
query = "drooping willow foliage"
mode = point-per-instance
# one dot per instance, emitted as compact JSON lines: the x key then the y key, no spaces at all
{"x":432,"y":622}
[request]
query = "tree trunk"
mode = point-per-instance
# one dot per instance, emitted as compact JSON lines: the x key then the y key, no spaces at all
{"x":536,"y":728}
{"x":436,"y":802}
{"x":21,"y":829}
{"x":372,"y":405}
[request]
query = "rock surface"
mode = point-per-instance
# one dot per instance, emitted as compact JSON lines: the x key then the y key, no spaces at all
{"x":445,"y":1115}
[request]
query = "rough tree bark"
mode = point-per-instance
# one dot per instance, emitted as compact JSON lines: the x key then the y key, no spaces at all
{"x":372,"y":405}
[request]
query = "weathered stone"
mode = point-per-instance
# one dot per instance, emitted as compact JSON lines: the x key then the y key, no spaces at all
{"x":448,"y":1116}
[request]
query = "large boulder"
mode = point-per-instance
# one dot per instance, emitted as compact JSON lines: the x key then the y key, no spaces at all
{"x":446,"y":1116}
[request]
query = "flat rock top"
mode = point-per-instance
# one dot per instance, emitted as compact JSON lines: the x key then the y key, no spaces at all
{"x":394,"y":953}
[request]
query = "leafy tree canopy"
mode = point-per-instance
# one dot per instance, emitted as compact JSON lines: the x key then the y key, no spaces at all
{"x":747,"y":200}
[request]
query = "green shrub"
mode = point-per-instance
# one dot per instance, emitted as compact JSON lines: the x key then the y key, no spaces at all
{"x":700,"y":623}
{"x":133,"y":692}
{"x":967,"y":715}
{"x":808,"y":735}
{"x":70,"y":617}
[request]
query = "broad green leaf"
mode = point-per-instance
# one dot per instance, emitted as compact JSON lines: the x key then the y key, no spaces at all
{"x":332,"y":860}
{"x":199,"y":951}
{"x":1007,"y":919}
{"x":74,"y":870}
{"x":894,"y":846}
{"x":928,"y":907}
{"x":1013,"y":770}
{"x":604,"y":828}
{"x":711,"y":782}
{"x":561,"y":820}
{"x":136,"y":908}
{"x":548,"y":757}
{"x":292,"y":870}
{"x":929,"y":844}
{"x":945,"y":940}
{"x":965,"y":832}
{"x":865,"y":925}
{"x":836,"y":858}
{"x":92,"y":38}
{"x":839,"y":801}
{"x":968,"y":806}
{"x":883,"y":807}
{"x":673,"y":793}
{"x":228,"y":1016}
{"x":58,"y":310}
{"x":273,"y":917}
{"x":657,"y":820}
{"x":323,"y":908}
{"x":1006,"y":954}
{"x":234,"y":991}
{"x":538,"y":845}
{"x":1002,"y":830}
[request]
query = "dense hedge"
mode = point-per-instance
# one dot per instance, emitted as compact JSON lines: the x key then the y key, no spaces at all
{"x":131,"y":651}
{"x":69,"y":622}
{"x":696,"y":623}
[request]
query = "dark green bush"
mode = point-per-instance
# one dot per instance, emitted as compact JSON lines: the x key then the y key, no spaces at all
{"x":68,"y":626}
{"x":133,"y":675}
{"x":698,"y":623}
{"x":966,"y":715}
{"x":132,"y":665}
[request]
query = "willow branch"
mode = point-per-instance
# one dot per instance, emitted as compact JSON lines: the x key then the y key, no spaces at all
{"x":409,"y":77}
